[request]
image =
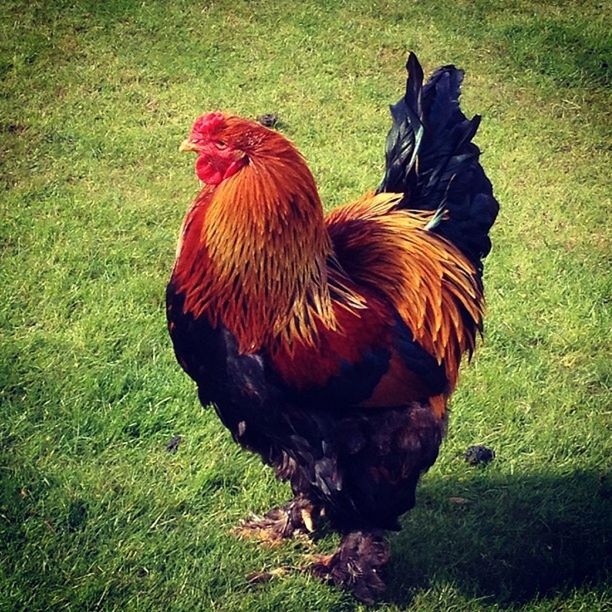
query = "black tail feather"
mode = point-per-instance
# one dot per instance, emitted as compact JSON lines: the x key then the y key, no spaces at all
{"x":430,"y":157}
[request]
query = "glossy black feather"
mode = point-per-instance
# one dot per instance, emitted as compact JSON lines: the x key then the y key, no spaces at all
{"x":430,"y":157}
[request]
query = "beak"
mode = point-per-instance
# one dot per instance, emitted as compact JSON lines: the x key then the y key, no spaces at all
{"x":187,"y":145}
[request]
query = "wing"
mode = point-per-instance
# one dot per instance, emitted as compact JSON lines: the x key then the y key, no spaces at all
{"x":421,"y":309}
{"x":432,"y":289}
{"x":369,"y":360}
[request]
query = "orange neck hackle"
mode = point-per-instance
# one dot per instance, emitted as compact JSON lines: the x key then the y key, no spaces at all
{"x":262,"y":250}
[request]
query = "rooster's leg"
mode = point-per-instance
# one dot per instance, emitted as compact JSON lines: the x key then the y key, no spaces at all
{"x":355,"y":566}
{"x":299,"y":516}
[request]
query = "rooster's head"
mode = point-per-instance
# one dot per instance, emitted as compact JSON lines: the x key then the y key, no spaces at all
{"x":225,"y":144}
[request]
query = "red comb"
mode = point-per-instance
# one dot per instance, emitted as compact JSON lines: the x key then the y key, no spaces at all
{"x":207,"y":125}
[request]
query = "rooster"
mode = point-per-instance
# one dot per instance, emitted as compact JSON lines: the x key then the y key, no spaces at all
{"x":330,"y":345}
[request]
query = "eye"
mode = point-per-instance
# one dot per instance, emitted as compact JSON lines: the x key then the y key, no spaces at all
{"x":220,"y":145}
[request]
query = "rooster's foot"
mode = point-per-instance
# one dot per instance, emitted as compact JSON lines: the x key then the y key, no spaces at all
{"x":296,"y":518}
{"x":355,"y":566}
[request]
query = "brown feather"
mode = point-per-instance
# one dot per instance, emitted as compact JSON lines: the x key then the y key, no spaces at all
{"x":264,"y":263}
{"x":432,"y":285}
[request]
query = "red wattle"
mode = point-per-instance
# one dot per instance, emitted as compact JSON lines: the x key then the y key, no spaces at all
{"x":206,"y":172}
{"x":216,"y":167}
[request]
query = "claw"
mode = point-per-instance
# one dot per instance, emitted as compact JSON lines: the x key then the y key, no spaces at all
{"x":306,"y":515}
{"x":248,"y":530}
{"x":293,"y":519}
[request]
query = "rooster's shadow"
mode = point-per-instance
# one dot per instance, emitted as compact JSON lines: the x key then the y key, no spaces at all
{"x":505,"y":540}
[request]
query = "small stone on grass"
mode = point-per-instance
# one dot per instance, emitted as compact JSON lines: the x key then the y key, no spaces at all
{"x":479,"y":454}
{"x":173,"y":445}
{"x":268,"y":119}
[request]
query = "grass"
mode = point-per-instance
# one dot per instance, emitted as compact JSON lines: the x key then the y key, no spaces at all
{"x":95,"y":98}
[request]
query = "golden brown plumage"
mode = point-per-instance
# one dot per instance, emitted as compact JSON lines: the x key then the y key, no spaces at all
{"x":330,"y":345}
{"x":434,"y":288}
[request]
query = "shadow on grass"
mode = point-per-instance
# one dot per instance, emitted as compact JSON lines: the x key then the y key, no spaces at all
{"x":508,"y":541}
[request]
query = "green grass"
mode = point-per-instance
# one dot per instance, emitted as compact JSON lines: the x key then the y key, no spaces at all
{"x":95,"y":98}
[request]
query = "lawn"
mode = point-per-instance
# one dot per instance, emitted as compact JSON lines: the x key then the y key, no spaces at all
{"x":95,"y":512}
